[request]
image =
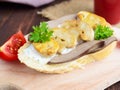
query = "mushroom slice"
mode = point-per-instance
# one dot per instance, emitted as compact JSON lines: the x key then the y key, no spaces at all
{"x":69,"y":24}
{"x":91,"y":19}
{"x":86,"y":32}
{"x":64,"y":38}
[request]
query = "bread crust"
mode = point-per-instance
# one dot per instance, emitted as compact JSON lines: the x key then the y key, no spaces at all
{"x":68,"y":66}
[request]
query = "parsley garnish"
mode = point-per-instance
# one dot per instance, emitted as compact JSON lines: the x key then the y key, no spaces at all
{"x":41,"y":33}
{"x":102,"y":32}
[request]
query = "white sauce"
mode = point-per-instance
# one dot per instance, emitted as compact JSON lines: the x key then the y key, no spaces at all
{"x":67,"y":50}
{"x":35,"y":55}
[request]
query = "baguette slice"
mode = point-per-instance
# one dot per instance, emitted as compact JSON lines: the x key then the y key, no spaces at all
{"x":68,"y":66}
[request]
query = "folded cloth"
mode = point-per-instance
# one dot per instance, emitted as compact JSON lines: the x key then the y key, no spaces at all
{"x":34,"y":3}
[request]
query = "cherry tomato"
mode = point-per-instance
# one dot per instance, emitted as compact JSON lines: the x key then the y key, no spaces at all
{"x":9,"y":50}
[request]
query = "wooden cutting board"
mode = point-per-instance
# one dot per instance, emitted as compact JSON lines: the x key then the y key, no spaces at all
{"x":95,"y":76}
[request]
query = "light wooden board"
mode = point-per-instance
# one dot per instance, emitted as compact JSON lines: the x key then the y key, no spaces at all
{"x":95,"y":76}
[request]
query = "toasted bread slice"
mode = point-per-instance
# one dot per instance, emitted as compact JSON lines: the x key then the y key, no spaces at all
{"x":78,"y":63}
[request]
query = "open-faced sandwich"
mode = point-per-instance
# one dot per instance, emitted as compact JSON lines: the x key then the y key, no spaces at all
{"x":67,"y":43}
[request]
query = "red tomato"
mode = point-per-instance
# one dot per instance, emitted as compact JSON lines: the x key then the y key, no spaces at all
{"x":9,"y":50}
{"x":118,"y":44}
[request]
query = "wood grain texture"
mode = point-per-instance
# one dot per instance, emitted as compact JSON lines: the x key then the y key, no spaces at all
{"x":14,"y":17}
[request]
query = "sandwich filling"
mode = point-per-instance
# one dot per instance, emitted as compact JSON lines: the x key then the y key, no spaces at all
{"x":68,"y":55}
{"x":69,"y":40}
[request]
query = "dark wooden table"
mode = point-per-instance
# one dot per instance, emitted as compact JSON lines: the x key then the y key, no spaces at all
{"x":14,"y":17}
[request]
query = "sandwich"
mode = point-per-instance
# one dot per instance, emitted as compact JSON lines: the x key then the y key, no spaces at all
{"x":68,"y":43}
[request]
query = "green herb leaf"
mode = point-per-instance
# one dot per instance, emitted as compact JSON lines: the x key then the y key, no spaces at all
{"x":102,"y":32}
{"x":41,"y":33}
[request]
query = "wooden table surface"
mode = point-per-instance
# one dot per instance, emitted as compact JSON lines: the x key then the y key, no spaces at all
{"x":14,"y":17}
